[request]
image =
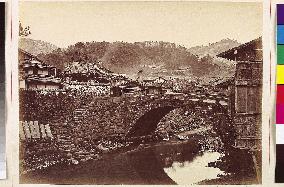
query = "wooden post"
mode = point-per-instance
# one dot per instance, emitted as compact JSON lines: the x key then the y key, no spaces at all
{"x":42,"y":130}
{"x":21,"y":130}
{"x":258,"y":175}
{"x":48,"y":131}
{"x":34,"y":129}
{"x":27,"y":130}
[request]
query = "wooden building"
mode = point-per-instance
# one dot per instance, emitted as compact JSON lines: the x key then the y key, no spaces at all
{"x":153,"y":90}
{"x":246,"y":93}
{"x":34,"y":74}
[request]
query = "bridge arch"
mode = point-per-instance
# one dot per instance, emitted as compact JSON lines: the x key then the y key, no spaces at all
{"x":148,"y":122}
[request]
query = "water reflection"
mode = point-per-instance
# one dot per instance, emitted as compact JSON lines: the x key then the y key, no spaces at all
{"x":197,"y":170}
{"x":161,"y":163}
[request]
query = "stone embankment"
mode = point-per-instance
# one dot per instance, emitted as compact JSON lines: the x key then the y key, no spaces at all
{"x":84,"y":127}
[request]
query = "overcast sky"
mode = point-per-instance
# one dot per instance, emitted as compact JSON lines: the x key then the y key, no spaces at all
{"x":185,"y":23}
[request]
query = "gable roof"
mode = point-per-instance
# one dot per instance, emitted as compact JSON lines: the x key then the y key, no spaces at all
{"x":29,"y":54}
{"x":250,"y":51}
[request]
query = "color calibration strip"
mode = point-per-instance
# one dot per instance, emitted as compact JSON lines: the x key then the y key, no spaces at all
{"x":279,"y":172}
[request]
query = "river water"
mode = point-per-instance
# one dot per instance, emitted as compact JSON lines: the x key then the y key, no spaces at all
{"x":177,"y":162}
{"x":197,"y":170}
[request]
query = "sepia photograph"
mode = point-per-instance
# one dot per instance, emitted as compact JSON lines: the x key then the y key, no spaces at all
{"x":144,"y":93}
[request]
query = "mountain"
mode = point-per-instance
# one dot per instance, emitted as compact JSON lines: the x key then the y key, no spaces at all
{"x":36,"y":47}
{"x":214,"y":48}
{"x":142,"y":59}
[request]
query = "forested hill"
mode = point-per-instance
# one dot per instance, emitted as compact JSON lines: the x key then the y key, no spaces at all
{"x":214,"y":48}
{"x":151,"y":59}
{"x":122,"y":55}
{"x":36,"y":47}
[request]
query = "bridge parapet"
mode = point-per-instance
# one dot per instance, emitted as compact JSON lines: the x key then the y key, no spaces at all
{"x":100,"y":116}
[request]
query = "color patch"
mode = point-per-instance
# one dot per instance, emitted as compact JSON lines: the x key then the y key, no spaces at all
{"x":279,"y":171}
{"x":280,"y":14}
{"x":280,"y":74}
{"x":280,"y":113}
{"x":280,"y":94}
{"x":280,"y":34}
{"x":279,"y":133}
{"x":280,"y":54}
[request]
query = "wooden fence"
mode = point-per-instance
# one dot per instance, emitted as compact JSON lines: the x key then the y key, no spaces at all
{"x":33,"y":130}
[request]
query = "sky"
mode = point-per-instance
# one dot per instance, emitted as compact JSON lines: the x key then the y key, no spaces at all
{"x":184,"y":23}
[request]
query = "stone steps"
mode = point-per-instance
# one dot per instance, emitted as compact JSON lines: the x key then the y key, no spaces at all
{"x":79,"y":113}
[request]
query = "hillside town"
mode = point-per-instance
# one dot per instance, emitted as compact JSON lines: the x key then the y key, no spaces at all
{"x":94,"y":79}
{"x":85,"y":111}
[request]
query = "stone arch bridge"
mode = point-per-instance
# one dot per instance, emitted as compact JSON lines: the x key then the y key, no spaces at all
{"x":134,"y":116}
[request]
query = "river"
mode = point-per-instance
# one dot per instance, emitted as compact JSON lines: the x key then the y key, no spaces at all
{"x":195,"y":171}
{"x":172,"y":162}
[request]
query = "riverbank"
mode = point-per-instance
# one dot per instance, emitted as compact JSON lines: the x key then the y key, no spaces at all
{"x":240,"y":167}
{"x":230,"y":180}
{"x":130,"y":162}
{"x":136,"y":164}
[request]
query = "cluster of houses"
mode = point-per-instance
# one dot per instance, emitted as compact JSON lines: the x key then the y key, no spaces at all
{"x":155,"y":87}
{"x":34,"y":74}
{"x":93,"y":78}
{"x":244,"y":91}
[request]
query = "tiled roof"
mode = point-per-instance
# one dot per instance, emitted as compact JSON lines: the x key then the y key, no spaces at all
{"x":47,"y":79}
{"x":250,"y":51}
{"x":29,"y":54}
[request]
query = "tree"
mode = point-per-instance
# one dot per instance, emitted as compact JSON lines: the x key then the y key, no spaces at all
{"x":24,"y":31}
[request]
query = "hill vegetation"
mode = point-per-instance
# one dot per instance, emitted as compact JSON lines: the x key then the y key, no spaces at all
{"x":148,"y":59}
{"x":36,"y":47}
{"x":214,"y":49}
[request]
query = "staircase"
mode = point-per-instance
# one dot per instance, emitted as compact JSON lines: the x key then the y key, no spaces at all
{"x":80,"y":113}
